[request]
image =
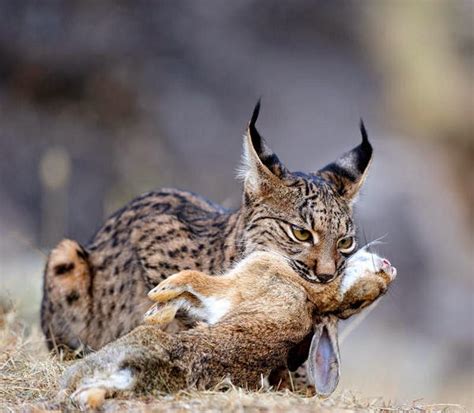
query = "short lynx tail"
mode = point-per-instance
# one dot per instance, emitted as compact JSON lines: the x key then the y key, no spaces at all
{"x":66,"y":298}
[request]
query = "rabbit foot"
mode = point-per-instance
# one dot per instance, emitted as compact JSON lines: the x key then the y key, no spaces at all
{"x":189,"y":293}
{"x":161,"y":314}
{"x":170,"y":296}
{"x":93,"y":391}
{"x":163,"y":293}
{"x":92,"y":398}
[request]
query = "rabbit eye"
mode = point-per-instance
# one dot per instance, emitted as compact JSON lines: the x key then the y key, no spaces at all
{"x":346,"y":245}
{"x":301,"y":234}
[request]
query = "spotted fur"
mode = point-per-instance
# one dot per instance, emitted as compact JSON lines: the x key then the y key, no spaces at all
{"x":164,"y":232}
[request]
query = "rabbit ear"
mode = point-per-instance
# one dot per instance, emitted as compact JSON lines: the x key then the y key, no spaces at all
{"x":323,"y":360}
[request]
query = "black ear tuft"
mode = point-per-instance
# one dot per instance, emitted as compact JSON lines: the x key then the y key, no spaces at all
{"x":259,"y":161}
{"x":363,"y":152}
{"x":256,"y":112}
{"x":347,"y":174}
{"x":257,"y":140}
{"x":363,"y":132}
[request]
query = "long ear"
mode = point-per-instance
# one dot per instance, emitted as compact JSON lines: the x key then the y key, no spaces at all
{"x":348,"y":173}
{"x":260,"y":166}
{"x":324,"y":359}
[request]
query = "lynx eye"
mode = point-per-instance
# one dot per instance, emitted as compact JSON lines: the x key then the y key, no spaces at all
{"x":346,"y":245}
{"x":300,"y":234}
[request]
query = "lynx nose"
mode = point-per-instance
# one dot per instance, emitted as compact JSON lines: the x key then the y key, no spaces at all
{"x":324,"y":278}
{"x":325,"y":270}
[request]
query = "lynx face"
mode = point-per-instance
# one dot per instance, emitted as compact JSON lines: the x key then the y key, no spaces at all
{"x":306,"y":217}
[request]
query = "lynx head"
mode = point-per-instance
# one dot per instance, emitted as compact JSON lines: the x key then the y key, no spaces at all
{"x":307,"y":217}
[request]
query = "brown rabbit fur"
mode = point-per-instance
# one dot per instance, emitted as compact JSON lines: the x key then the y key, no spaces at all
{"x":255,"y":315}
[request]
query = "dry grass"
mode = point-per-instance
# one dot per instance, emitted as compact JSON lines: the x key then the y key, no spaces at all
{"x":29,"y":382}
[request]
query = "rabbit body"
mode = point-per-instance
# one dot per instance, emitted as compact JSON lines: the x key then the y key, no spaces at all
{"x":249,"y":320}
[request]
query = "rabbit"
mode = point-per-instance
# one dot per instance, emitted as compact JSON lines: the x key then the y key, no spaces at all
{"x":246,"y":324}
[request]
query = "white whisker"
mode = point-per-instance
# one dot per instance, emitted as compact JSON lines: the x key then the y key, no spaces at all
{"x":377,"y":241}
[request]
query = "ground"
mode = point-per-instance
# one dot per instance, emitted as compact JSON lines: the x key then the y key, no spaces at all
{"x":29,"y":382}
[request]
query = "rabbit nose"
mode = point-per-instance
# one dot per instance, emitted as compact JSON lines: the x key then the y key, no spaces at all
{"x":388,"y":268}
{"x":324,"y":278}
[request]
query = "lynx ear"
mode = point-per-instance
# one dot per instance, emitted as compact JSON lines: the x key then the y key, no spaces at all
{"x":348,"y":173}
{"x":260,"y":166}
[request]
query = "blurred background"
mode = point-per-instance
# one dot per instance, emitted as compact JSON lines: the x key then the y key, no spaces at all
{"x":100,"y":101}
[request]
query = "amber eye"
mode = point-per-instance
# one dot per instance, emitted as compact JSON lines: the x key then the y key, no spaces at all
{"x":301,"y":234}
{"x":346,"y":245}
